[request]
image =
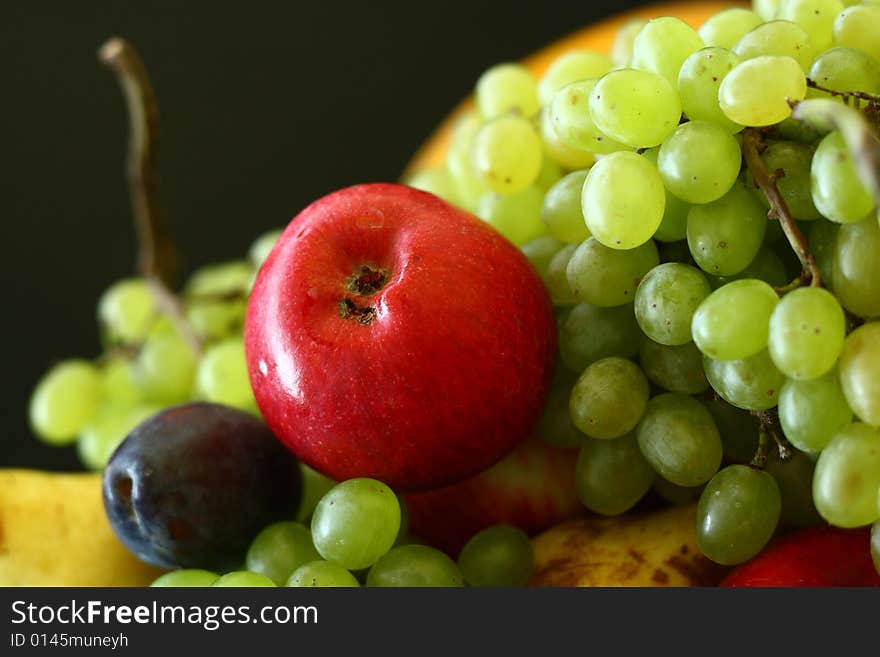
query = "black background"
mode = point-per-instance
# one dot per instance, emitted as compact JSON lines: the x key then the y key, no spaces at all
{"x":265,"y":106}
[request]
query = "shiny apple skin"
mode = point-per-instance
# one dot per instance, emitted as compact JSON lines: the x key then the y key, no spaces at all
{"x":430,"y":378}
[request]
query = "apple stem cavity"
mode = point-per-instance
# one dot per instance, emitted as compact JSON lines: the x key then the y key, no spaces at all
{"x":367,"y":280}
{"x":348,"y":309}
{"x":752,"y":145}
{"x":156,"y":252}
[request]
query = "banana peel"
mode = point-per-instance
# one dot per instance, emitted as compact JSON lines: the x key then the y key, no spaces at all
{"x":653,"y":549}
{"x":54,"y":532}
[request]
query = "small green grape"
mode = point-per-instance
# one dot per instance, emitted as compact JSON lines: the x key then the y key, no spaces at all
{"x":561,"y":209}
{"x":609,"y":398}
{"x":604,"y":276}
{"x":859,"y":365}
{"x":507,"y":88}
{"x":666,"y":299}
{"x":737,"y":514}
{"x":243,"y":579}
{"x":846,"y":482}
{"x":612,"y":475}
{"x":500,"y":555}
{"x":811,"y":412}
{"x":507,"y":154}
{"x":591,"y":332}
{"x":415,"y":566}
{"x":751,"y":383}
{"x":186,"y":577}
{"x":517,"y":216}
{"x":279,"y":549}
{"x":676,"y":368}
{"x":322,"y":574}
{"x":65,"y":400}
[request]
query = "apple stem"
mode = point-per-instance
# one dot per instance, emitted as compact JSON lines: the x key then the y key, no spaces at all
{"x":156,"y":252}
{"x":752,"y":145}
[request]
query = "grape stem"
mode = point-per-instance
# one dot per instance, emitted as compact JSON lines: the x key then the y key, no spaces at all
{"x":846,"y":95}
{"x":156,"y":252}
{"x":752,"y":145}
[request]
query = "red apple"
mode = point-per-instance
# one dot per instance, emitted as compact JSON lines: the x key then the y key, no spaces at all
{"x":532,"y":488}
{"x":392,"y":335}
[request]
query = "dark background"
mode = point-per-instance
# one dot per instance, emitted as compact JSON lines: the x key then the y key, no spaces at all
{"x":265,"y":106}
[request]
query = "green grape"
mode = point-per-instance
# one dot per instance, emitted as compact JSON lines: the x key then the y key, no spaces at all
{"x":540,"y":252}
{"x":766,"y":266}
{"x":216,"y":298}
{"x":699,"y":161}
{"x":609,"y":398}
{"x":777,"y":37}
{"x":636,"y":108}
{"x":846,"y":482}
{"x":855,"y":272}
{"x":468,"y":186}
{"x":822,"y":239}
{"x":100,"y":438}
{"x":507,"y":155}
{"x":732,"y":322}
{"x":815,"y":16}
{"x":612,"y":475}
{"x":837,"y":191}
{"x":766,"y":9}
{"x":557,"y":276}
{"x":507,"y":88}
{"x":549,"y":174}
{"x":186,"y":577}
{"x":322,"y":574}
{"x":165,"y":368}
{"x":356,"y":522}
{"x":698,"y":83}
{"x":859,"y":368}
{"x":222,"y":375}
{"x":559,"y":151}
{"x":65,"y":400}
{"x":608,"y":277}
{"x":119,"y":382}
{"x":561,"y":209}
{"x":751,"y":383}
{"x":678,"y":437}
{"x":572,"y":66}
{"x":517,"y":216}
{"x":757,"y":91}
{"x":673,"y":225}
{"x":811,"y":412}
{"x":622,"y":48}
{"x":127,"y":310}
{"x":738,"y":429}
{"x":437,"y":181}
{"x":280,"y":549}
{"x":845,"y":69}
{"x":794,"y":160}
{"x":674,"y":368}
{"x":662,"y":45}
{"x":666,"y":299}
{"x":807,"y":328}
{"x":555,"y":426}
{"x":415,"y":566}
{"x":726,"y":27}
{"x":243,"y":579}
{"x":572,"y":123}
{"x":501,"y":555}
{"x":262,"y":247}
{"x":858,"y":27}
{"x":794,"y":477}
{"x":674,"y":494}
{"x":737,"y":514}
{"x":623,"y":200}
{"x":590,"y":333}
{"x":725,"y":236}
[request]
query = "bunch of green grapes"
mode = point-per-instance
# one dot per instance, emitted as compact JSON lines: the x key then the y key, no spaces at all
{"x":693,"y":354}
{"x":355,"y":533}
{"x":147,"y":363}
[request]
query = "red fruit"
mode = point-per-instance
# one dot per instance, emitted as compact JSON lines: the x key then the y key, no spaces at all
{"x":392,"y":335}
{"x":533,"y":488}
{"x":818,"y":556}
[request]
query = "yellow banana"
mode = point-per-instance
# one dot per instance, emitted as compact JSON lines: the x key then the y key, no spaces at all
{"x":651,"y":549}
{"x":53,"y":532}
